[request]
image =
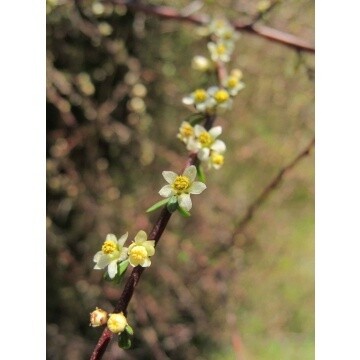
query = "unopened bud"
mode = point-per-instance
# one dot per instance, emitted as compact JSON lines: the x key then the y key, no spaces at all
{"x":200,"y":63}
{"x":98,"y":317}
{"x":117,"y":323}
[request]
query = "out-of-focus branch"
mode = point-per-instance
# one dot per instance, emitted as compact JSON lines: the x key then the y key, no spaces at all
{"x":169,"y":13}
{"x":275,"y":182}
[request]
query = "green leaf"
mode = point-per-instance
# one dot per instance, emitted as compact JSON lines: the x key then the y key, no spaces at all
{"x":184,"y":212}
{"x":157,"y":205}
{"x":194,"y":119}
{"x":124,"y":341}
{"x":129,"y":330}
{"x":122,"y":267}
{"x":200,"y":173}
{"x":172,"y":205}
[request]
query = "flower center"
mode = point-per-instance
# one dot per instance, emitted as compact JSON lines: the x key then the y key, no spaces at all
{"x":181,"y":183}
{"x":138,"y":253}
{"x":200,"y":95}
{"x":221,"y":49}
{"x":221,"y":96}
{"x":187,"y":130}
{"x":109,"y":247}
{"x":217,"y":159}
{"x":232,"y":81}
{"x":205,"y":139}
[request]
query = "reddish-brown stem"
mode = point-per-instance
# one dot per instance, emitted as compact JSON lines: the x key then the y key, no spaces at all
{"x":169,"y":13}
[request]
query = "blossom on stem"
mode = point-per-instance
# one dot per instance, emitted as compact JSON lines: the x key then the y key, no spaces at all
{"x":182,"y":186}
{"x":220,"y":51}
{"x":233,"y":85}
{"x":200,"y":99}
{"x":206,"y":142}
{"x":221,"y":97}
{"x":201,"y":63}
{"x":117,"y":323}
{"x":98,"y":317}
{"x":141,"y":249}
{"x":186,"y":132}
{"x":112,"y":252}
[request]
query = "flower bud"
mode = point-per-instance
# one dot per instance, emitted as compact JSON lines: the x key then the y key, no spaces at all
{"x":117,"y":323}
{"x":200,"y":63}
{"x":98,"y":317}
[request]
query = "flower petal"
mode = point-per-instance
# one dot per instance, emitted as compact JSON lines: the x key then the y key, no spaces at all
{"x":190,"y":172}
{"x":215,"y":131}
{"x":122,"y":240}
{"x":149,"y":246}
{"x":166,"y":191}
{"x":111,"y":237}
{"x":140,"y":237}
{"x":112,"y":269}
{"x":169,"y":176}
{"x":146,"y":262}
{"x":185,"y":201}
{"x":212,"y":90}
{"x":197,"y":187}
{"x":188,"y":100}
{"x":218,"y":146}
{"x":103,"y":261}
{"x":198,"y":129}
{"x":124,"y":254}
{"x":97,"y":256}
{"x":203,"y":154}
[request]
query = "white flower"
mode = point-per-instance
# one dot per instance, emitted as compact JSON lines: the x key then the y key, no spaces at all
{"x":98,"y":317}
{"x":186,"y":132}
{"x":117,"y":323}
{"x":220,"y":50}
{"x":112,"y":252}
{"x":223,"y":30}
{"x":141,"y":249}
{"x":206,"y":142}
{"x":215,"y":160}
{"x":221,"y":97}
{"x":233,"y":85}
{"x":182,"y":186}
{"x":201,"y":63}
{"x":200,"y":99}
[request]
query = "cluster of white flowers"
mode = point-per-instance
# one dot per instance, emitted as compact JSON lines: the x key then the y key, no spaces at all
{"x":204,"y":143}
{"x":113,"y":252}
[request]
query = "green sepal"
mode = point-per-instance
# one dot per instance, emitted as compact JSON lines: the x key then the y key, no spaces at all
{"x":183,"y":212}
{"x":124,"y":340}
{"x":200,"y":173}
{"x":157,"y":205}
{"x":172,"y":204}
{"x":129,"y":330}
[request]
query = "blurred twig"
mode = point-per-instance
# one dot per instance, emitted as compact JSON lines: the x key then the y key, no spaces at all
{"x":266,"y":32}
{"x":275,"y":182}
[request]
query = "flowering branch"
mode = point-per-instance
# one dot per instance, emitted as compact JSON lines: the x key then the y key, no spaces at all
{"x":169,"y":13}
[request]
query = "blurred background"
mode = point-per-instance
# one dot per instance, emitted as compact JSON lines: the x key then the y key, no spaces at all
{"x":115,"y":80}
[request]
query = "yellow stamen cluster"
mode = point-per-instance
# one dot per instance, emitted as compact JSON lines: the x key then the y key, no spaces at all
{"x":200,"y":95}
{"x":205,"y":139}
{"x":232,"y":81}
{"x":217,"y":159}
{"x":109,"y":247}
{"x":181,"y":183}
{"x":221,"y":96}
{"x":138,"y":253}
{"x":221,"y":49}
{"x":187,"y":130}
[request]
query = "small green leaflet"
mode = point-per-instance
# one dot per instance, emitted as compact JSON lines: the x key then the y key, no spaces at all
{"x":183,"y":212}
{"x":157,"y":205}
{"x":172,"y":205}
{"x":124,"y":340}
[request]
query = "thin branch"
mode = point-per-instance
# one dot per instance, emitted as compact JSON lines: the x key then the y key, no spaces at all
{"x":169,"y":13}
{"x":275,"y":182}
